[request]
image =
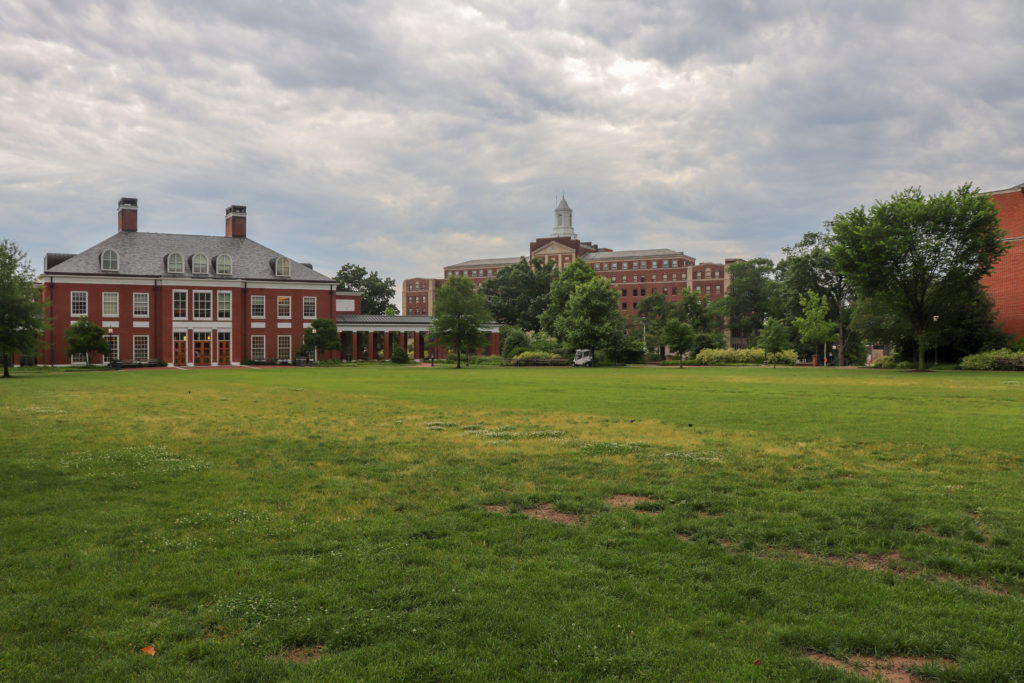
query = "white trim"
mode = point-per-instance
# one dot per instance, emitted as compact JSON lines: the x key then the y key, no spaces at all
{"x":231,"y":304}
{"x":308,"y":317}
{"x":257,"y":325}
{"x":140,"y":323}
{"x":71,"y":302}
{"x":193,"y":308}
{"x":138,"y":315}
{"x":188,"y":325}
{"x":113,"y":322}
{"x":182,"y":291}
{"x":277,"y":307}
{"x":251,"y":302}
{"x":135,"y":338}
{"x":164,"y":281}
{"x":252,"y":341}
{"x":117,"y":304}
{"x":286,"y":326}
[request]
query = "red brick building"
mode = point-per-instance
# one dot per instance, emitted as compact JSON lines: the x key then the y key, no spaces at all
{"x":187,"y":299}
{"x":634,"y":274}
{"x":1006,"y":283}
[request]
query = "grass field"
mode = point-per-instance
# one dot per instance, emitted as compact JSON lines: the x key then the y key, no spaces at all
{"x":383,"y":522}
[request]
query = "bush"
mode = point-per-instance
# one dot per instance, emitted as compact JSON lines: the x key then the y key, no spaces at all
{"x":399,"y":355}
{"x":513,"y":340}
{"x":724,"y":356}
{"x":787,"y":357}
{"x":484,"y":360}
{"x":527,"y":355}
{"x":885,"y":363}
{"x":986,"y":360}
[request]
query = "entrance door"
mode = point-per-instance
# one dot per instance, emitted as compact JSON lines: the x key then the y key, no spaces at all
{"x":224,"y":348}
{"x":180,"y":349}
{"x":201,"y":345}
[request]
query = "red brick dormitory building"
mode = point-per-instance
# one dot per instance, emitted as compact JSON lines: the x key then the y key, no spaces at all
{"x":1006,"y":283}
{"x":194,"y":300}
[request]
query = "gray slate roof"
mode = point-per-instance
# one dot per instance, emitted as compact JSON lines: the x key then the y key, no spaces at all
{"x":353,"y":319}
{"x":636,"y":253}
{"x":502,"y":261}
{"x":144,"y":254}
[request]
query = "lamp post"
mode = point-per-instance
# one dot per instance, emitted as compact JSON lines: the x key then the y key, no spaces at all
{"x":935,"y":319}
{"x":643,"y":321}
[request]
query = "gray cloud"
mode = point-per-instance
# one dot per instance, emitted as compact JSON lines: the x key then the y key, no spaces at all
{"x":409,"y":135}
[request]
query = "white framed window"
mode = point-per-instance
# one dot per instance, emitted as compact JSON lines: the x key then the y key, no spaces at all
{"x":140,"y":304}
{"x":202,"y":305}
{"x":282,"y":267}
{"x":615,"y":266}
{"x":223,"y":305}
{"x":79,"y":303}
{"x":175,"y":263}
{"x":179,"y":304}
{"x":259,"y":347}
{"x":258,"y":308}
{"x":309,"y":307}
{"x":112,"y":350}
{"x":79,"y":359}
{"x":140,"y":347}
{"x":109,"y":260}
{"x":284,"y":307}
{"x":284,"y":347}
{"x":675,"y":263}
{"x":110,"y":304}
{"x":223,"y":265}
{"x":200,"y":264}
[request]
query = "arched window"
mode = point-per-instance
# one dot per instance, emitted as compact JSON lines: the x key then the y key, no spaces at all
{"x":200,"y":264}
{"x":282,"y":267}
{"x":108,"y":261}
{"x":223,"y":265}
{"x":175,"y":263}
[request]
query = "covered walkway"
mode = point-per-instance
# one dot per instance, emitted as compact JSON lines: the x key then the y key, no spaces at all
{"x":374,"y":337}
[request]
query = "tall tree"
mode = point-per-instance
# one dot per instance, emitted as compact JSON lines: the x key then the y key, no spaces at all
{"x":377,"y":291}
{"x":590,"y":318}
{"x":752,"y":295}
{"x":459,"y":313}
{"x":321,"y":335}
{"x":655,"y":311}
{"x":919,"y":254}
{"x":814,"y":326}
{"x":774,"y":337}
{"x":518,"y":294}
{"x":86,"y":338}
{"x":22,"y":319}
{"x":575,"y":274}
{"x":809,"y":265}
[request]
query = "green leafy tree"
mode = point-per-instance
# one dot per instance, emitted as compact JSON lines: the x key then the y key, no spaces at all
{"x":377,"y":291}
{"x":814,"y":326}
{"x":575,"y":274}
{"x":459,"y":313}
{"x":752,"y":296}
{"x":86,"y":338}
{"x":774,"y":337}
{"x":809,"y":265}
{"x":513,"y":341}
{"x":591,"y":318}
{"x":518,"y":294}
{"x":655,"y":311}
{"x":22,"y":318}
{"x":918,"y":254}
{"x":680,"y":337}
{"x":320,"y":336}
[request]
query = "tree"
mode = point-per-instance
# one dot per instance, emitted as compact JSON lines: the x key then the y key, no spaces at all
{"x":321,"y":335}
{"x":655,"y":310}
{"x":86,"y":338}
{"x":919,"y":254}
{"x":752,"y":295}
{"x":774,"y":337}
{"x":575,"y":274}
{"x":377,"y":291}
{"x":813,"y":326}
{"x":518,"y":294}
{"x":459,"y":313}
{"x":22,"y":319}
{"x":513,"y":341}
{"x":809,"y":265}
{"x":680,"y":337}
{"x":591,"y":318}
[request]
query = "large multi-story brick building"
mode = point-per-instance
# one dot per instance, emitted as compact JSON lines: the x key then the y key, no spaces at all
{"x":635,"y":274}
{"x":187,"y":299}
{"x":1006,"y":283}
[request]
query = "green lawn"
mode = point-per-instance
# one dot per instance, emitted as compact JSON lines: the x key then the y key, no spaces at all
{"x":385,"y":522}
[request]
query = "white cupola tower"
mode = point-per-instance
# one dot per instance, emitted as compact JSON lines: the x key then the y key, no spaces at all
{"x":563,"y":221}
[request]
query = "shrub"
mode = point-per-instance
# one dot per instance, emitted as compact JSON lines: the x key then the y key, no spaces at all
{"x":399,"y":355}
{"x":724,"y":356}
{"x":527,"y":355}
{"x":986,"y":360}
{"x":787,"y":357}
{"x":513,"y":340}
{"x":885,"y":363}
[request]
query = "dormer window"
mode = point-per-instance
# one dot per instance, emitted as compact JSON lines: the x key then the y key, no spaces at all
{"x":200,"y":265}
{"x":108,"y":260}
{"x":175,"y":263}
{"x":223,"y":265}
{"x":282,"y":267}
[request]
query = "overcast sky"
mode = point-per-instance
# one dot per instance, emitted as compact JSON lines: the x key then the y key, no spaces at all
{"x":409,"y":135}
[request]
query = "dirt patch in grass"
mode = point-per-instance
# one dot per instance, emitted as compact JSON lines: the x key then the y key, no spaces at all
{"x":707,"y":515}
{"x":306,"y":653}
{"x":643,"y":505}
{"x":893,"y":669}
{"x":684,"y":537}
{"x":546,"y":511}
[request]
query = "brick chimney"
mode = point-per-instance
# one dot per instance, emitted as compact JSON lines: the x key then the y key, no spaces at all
{"x":234,"y":218}
{"x":128,"y":215}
